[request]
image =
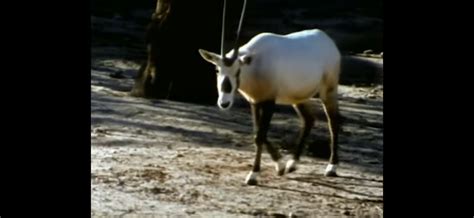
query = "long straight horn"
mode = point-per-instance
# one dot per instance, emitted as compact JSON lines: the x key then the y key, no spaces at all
{"x":236,"y":44}
{"x":223,"y":30}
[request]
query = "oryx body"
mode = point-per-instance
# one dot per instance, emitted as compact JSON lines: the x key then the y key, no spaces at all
{"x":288,"y":68}
{"x":281,"y":69}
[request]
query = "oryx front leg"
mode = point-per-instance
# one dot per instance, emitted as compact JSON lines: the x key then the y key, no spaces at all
{"x":304,"y":112}
{"x":262,"y":114}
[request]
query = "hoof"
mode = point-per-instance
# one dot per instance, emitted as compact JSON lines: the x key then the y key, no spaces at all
{"x":251,"y":182}
{"x":280,"y":168}
{"x":291,"y":169}
{"x":251,"y":178}
{"x":281,"y":172}
{"x":330,"y":174}
{"x":290,"y":166}
{"x":330,"y":171}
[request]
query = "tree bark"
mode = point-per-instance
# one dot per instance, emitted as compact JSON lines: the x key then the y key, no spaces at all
{"x":174,"y":69}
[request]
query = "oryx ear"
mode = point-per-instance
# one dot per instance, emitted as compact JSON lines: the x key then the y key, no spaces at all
{"x":209,"y":56}
{"x":245,"y":59}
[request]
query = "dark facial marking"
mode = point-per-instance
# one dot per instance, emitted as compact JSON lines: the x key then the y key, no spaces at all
{"x":237,"y":77}
{"x":226,"y":85}
{"x":228,"y":62}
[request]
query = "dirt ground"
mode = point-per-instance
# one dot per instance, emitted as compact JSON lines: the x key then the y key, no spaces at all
{"x":166,"y":158}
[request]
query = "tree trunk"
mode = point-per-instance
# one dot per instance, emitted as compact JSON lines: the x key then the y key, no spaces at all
{"x":174,"y":69}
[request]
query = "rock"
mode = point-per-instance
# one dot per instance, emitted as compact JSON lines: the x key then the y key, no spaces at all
{"x":189,"y":211}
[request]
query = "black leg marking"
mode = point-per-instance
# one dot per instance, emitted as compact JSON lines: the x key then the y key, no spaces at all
{"x":261,"y":116}
{"x":267,"y":112}
{"x":268,"y":109}
{"x":307,"y":119}
{"x":256,"y":114}
{"x":304,"y":112}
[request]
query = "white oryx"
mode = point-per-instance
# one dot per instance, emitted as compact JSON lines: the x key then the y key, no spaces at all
{"x":281,"y":69}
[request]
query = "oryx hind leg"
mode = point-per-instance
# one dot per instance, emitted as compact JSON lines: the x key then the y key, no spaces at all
{"x":329,"y":97}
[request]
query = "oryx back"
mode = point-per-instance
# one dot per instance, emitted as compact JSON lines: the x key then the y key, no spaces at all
{"x":290,"y":68}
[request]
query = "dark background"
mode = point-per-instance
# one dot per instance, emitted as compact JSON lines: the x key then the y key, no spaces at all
{"x":128,"y":27}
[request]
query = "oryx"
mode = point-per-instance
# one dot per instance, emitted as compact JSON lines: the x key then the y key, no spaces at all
{"x":281,"y":69}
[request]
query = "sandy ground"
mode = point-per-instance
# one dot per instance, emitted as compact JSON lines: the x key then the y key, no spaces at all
{"x":166,"y":158}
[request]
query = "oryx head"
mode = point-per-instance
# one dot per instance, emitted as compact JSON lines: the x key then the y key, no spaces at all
{"x":228,"y":75}
{"x":228,"y":68}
